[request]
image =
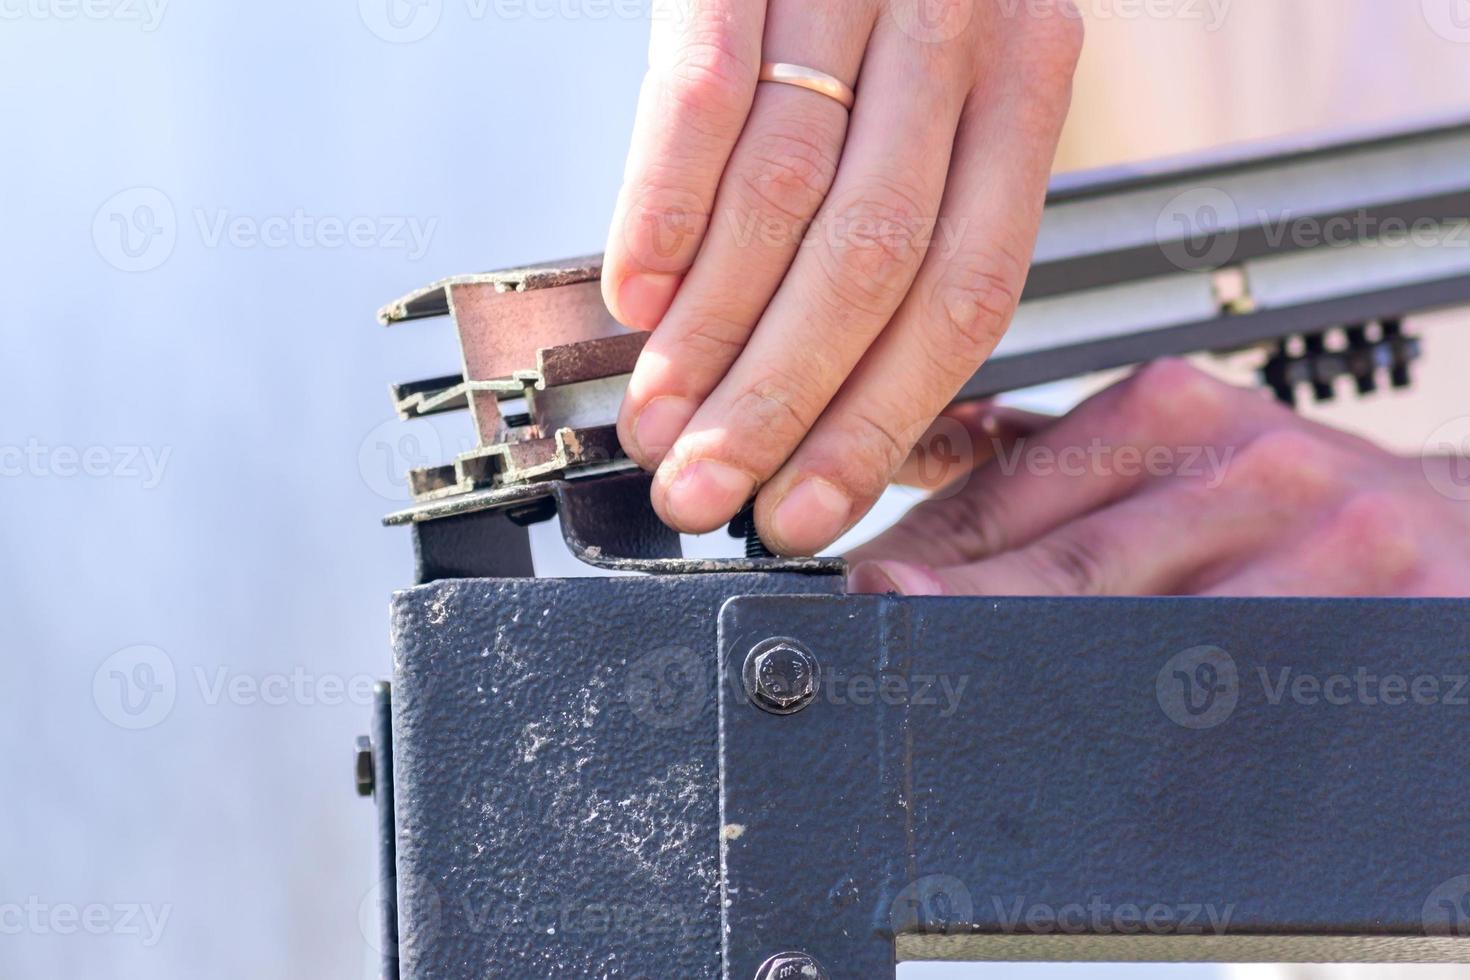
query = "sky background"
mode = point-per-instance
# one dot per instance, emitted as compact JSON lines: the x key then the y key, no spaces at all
{"x":203,"y":204}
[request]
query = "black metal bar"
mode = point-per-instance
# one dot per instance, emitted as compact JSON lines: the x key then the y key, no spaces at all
{"x":382,"y":759}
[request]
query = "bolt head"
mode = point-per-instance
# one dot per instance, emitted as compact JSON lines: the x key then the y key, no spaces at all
{"x":791,"y":966}
{"x":781,"y":676}
{"x":363,"y":766}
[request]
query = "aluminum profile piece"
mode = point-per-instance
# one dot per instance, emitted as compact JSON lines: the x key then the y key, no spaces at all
{"x":537,"y":335}
{"x":503,"y":320}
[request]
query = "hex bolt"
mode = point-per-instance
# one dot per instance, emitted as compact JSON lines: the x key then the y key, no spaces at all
{"x":363,"y":766}
{"x":780,"y":676}
{"x":791,"y":966}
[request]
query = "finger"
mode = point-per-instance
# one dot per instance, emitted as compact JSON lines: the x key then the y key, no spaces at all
{"x":956,"y":313}
{"x":865,"y":246}
{"x":779,"y":174}
{"x":963,"y":437}
{"x":992,"y":432}
{"x":1151,"y":544}
{"x":704,"y":57}
{"x":1368,"y":547}
{"x":1168,"y":418}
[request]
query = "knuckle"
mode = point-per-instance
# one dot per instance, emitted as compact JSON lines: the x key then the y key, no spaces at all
{"x":777,"y":403}
{"x":1055,"y":36}
{"x":1287,"y":465}
{"x":879,"y":440}
{"x":976,"y":300}
{"x":1070,"y":564}
{"x":875,"y":242}
{"x":1167,"y":391}
{"x":790,"y":174}
{"x":710,"y":83}
{"x":1376,"y":528}
{"x":709,"y":339}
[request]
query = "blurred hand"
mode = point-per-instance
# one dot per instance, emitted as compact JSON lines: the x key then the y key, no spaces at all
{"x":1172,"y":483}
{"x":822,"y":286}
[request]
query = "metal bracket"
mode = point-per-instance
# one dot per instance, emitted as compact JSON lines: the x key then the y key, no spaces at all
{"x":1111,"y":779}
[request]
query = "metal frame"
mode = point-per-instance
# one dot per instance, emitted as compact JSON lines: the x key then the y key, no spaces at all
{"x":738,"y":771}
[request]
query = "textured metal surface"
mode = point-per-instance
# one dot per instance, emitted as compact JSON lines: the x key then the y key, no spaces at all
{"x":555,"y":761}
{"x":1035,"y":772}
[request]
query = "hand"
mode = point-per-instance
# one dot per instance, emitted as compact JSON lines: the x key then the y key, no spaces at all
{"x":821,"y":286}
{"x":1172,"y":483}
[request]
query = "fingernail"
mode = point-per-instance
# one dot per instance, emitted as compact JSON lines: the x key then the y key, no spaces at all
{"x":660,"y":423}
{"x":705,"y":494}
{"x":811,"y":516}
{"x":891,"y":578}
{"x":645,"y":297}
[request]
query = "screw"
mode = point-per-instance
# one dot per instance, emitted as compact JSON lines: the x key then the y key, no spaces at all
{"x":791,"y":966}
{"x":780,"y":676}
{"x":743,"y":526}
{"x":364,"y":766}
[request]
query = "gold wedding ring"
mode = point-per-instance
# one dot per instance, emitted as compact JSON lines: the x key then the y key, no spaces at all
{"x":808,"y":78}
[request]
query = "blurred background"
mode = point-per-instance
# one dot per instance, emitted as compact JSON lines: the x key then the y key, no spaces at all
{"x":203,"y":204}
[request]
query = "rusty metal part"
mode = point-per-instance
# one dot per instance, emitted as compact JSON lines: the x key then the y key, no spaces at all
{"x":590,"y":360}
{"x":504,"y":319}
{"x":433,"y":300}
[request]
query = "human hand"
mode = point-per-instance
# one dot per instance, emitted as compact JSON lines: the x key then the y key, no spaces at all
{"x":1173,"y":483}
{"x":821,"y":287}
